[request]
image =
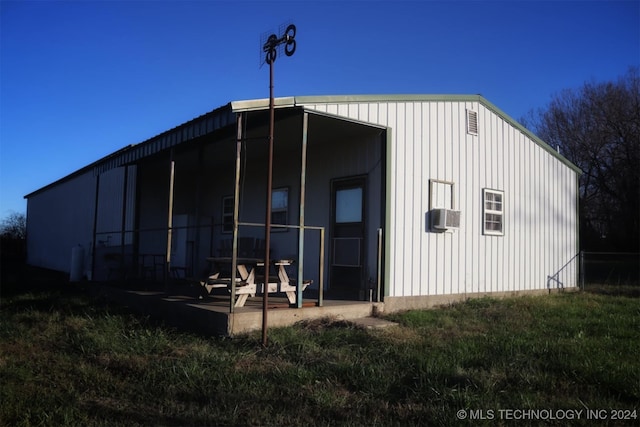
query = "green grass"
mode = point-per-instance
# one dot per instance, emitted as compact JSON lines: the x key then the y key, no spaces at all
{"x":68,"y":360}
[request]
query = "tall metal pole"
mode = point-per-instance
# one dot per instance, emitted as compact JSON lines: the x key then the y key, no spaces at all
{"x":267,"y":223}
{"x":270,"y":48}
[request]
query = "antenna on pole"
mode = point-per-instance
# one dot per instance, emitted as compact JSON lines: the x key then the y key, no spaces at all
{"x":270,"y":48}
{"x":270,"y":43}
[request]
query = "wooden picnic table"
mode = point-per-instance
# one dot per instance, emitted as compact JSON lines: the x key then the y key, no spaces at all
{"x":249,"y":281}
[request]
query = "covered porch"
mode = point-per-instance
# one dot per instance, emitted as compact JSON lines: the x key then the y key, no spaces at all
{"x":186,"y":207}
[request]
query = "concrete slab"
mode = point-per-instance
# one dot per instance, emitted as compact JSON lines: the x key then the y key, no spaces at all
{"x":372,"y":323}
{"x":210,"y":315}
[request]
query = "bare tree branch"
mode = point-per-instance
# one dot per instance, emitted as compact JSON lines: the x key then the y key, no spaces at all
{"x":597,"y":127}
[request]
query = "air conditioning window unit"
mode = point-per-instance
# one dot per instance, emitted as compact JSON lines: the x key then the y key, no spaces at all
{"x":445,"y":219}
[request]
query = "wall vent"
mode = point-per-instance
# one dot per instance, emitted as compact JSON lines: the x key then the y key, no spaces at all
{"x":472,"y":122}
{"x":445,"y":219}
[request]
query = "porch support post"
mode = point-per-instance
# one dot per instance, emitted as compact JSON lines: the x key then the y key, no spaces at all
{"x":303,"y":183}
{"x":236,"y":211}
{"x":195,"y":255}
{"x":379,"y":271}
{"x":321,"y":278}
{"x":123,"y":224}
{"x":167,"y":261}
{"x":95,"y":229}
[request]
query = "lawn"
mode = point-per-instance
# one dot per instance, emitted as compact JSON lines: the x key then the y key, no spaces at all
{"x":68,"y":360}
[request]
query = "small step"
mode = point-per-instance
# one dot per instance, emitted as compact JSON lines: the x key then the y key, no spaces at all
{"x":372,"y":322}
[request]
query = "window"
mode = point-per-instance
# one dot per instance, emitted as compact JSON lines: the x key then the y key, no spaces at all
{"x":349,"y":205}
{"x":279,"y":210}
{"x":227,"y":214}
{"x":493,"y":212}
{"x":279,"y":206}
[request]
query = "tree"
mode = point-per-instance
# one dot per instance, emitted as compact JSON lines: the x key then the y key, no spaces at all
{"x":14,"y":226}
{"x":597,"y":127}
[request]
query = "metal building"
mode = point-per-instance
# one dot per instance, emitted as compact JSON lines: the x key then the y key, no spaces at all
{"x":414,"y":200}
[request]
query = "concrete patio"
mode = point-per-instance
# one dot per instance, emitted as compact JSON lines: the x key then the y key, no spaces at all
{"x":210,"y":314}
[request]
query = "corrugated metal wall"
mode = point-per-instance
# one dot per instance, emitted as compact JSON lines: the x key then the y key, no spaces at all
{"x":116,"y":196}
{"x":341,"y":157}
{"x":430,"y":142}
{"x":63,"y":217}
{"x":111,"y":197}
{"x":60,"y":219}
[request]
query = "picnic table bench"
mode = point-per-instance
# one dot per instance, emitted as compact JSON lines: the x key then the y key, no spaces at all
{"x":249,"y":282}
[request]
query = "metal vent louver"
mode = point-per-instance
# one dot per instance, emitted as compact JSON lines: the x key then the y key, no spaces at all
{"x":472,"y":122}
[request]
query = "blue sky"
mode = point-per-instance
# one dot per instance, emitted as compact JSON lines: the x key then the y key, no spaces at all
{"x":79,"y":80}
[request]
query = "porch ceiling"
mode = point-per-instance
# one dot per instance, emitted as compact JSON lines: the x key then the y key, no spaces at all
{"x":323,"y":127}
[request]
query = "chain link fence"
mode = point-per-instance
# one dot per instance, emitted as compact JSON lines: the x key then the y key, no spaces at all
{"x":610,"y":272}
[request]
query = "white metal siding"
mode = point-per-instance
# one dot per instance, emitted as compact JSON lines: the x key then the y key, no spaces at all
{"x":430,"y":141}
{"x":59,"y":219}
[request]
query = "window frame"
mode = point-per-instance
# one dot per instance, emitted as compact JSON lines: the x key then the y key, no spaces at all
{"x":491,"y":211}
{"x":432,"y":194}
{"x":284,"y":210}
{"x":227,"y":217}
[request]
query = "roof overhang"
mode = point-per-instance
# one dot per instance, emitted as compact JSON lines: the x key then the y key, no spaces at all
{"x":225,"y":116}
